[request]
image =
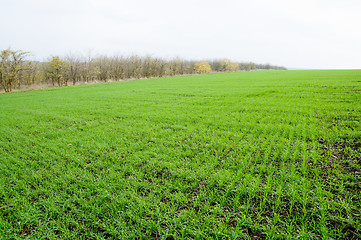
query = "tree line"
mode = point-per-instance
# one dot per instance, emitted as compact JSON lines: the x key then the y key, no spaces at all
{"x":18,"y":71}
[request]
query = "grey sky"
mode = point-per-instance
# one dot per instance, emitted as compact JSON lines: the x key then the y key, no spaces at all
{"x":300,"y":34}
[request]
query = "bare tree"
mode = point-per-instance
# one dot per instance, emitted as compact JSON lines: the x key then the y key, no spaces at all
{"x":73,"y":72}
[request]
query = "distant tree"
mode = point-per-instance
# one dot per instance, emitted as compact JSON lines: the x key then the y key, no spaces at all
{"x":232,"y":66}
{"x":248,"y":66}
{"x":202,"y":67}
{"x":12,"y":63}
{"x":228,"y":66}
{"x":56,"y":71}
{"x":216,"y":65}
{"x":73,"y":71}
{"x":30,"y":74}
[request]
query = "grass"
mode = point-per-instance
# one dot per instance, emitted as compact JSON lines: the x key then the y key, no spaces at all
{"x":267,"y":154}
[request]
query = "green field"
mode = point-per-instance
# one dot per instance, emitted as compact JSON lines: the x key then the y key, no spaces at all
{"x":247,"y":155}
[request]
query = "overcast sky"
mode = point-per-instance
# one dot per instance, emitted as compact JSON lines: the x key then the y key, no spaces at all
{"x":291,"y":33}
